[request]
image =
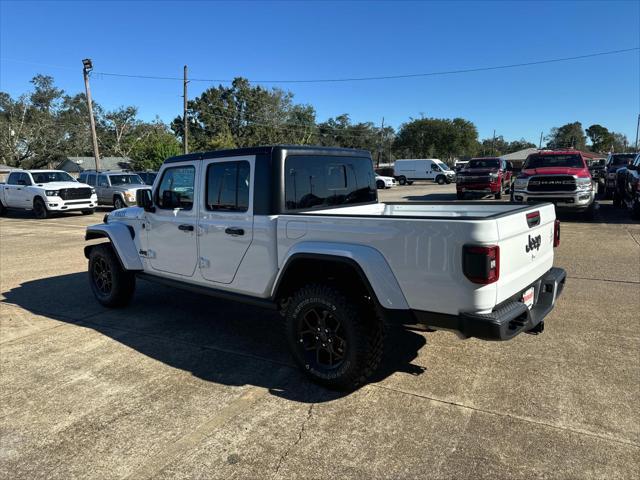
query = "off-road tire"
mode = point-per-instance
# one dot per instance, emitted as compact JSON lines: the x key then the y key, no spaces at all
{"x":118,"y":203}
{"x":402,"y":180}
{"x":440,"y":180}
{"x":40,"y":209}
{"x":90,"y":211}
{"x":121,"y":283}
{"x":362,"y":330}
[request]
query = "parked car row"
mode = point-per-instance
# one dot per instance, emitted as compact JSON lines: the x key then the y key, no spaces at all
{"x":116,"y":187}
{"x":627,"y":191}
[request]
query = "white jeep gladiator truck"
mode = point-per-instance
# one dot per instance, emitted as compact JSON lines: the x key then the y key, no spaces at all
{"x":46,"y":191}
{"x":300,"y":230}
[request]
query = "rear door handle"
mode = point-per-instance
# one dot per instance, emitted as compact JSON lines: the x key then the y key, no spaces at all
{"x":186,"y":228}
{"x":234,"y":231}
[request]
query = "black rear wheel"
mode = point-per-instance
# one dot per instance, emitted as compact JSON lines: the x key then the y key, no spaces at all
{"x":402,"y":180}
{"x":335,"y":341}
{"x":112,"y":285}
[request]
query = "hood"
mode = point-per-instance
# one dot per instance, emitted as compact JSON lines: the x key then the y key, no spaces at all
{"x":581,"y":172}
{"x":131,"y":187}
{"x":477,"y":171}
{"x":382,"y":177}
{"x":61,"y":185}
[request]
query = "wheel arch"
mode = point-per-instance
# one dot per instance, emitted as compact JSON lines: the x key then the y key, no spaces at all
{"x":121,"y":237}
{"x":311,"y":261}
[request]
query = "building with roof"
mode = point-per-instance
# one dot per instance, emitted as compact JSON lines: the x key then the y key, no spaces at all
{"x":76,"y":165}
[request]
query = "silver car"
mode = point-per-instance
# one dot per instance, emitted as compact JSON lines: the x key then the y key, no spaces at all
{"x":117,"y":188}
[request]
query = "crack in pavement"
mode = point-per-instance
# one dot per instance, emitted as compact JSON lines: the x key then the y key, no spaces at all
{"x":284,"y":456}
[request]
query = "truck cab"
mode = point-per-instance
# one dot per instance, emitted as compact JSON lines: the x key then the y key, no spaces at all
{"x":300,"y":230}
{"x":484,"y":176}
{"x":561,"y":177}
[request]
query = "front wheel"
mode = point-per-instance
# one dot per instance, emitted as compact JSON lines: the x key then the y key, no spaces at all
{"x":40,"y":209}
{"x":380,"y":185}
{"x":118,"y":203}
{"x":440,"y":180}
{"x":112,"y":285}
{"x":402,"y":180}
{"x":335,"y":341}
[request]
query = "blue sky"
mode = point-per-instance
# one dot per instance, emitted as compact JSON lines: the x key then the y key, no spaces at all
{"x":300,"y":40}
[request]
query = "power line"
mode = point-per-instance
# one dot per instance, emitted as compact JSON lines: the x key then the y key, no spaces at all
{"x":384,"y":77}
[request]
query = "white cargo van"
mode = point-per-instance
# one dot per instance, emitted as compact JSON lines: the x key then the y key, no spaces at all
{"x":406,"y":171}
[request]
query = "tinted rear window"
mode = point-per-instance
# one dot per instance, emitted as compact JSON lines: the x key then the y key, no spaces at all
{"x":541,"y":161}
{"x":317,"y":182}
{"x":621,"y":159}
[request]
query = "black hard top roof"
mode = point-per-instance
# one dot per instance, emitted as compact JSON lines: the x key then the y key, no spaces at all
{"x":269,"y":150}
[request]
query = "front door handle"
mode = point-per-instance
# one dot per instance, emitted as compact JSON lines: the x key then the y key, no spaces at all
{"x":186,"y":228}
{"x":234,"y":231}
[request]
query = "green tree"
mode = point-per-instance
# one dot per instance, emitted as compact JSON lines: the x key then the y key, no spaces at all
{"x":243,"y":115}
{"x":570,"y":135}
{"x":443,"y":138}
{"x":601,"y":138}
{"x":154,"y":148}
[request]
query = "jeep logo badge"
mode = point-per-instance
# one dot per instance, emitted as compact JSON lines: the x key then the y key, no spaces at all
{"x":534,"y":243}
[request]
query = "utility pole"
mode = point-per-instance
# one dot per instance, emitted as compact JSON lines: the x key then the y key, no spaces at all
{"x":637,"y":130}
{"x":185,"y":120}
{"x":493,"y":143}
{"x":540,"y":144}
{"x":381,"y":145}
{"x":87,"y":67}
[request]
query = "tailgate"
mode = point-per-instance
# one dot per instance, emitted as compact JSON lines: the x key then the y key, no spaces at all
{"x":526,"y":248}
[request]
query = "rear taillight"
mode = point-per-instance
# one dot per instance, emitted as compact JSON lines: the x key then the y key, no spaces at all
{"x":556,"y":233}
{"x":481,"y":264}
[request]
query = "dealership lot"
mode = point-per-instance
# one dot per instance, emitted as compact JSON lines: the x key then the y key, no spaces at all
{"x":178,"y":385}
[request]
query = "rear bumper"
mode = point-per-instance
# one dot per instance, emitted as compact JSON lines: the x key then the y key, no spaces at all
{"x":508,"y":319}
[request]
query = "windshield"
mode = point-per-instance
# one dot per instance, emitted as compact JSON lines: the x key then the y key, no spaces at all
{"x":622,"y":159}
{"x":443,"y":166}
{"x":483,"y":163}
{"x":128,"y":179}
{"x":541,"y":161}
{"x":48,"y":177}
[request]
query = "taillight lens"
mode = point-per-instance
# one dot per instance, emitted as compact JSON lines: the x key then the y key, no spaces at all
{"x":481,"y":264}
{"x":556,"y":233}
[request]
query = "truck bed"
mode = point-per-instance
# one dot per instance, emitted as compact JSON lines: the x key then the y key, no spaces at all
{"x":427,"y":210}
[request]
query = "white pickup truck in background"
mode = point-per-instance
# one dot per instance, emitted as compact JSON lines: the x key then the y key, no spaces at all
{"x":46,"y":191}
{"x":300,"y":230}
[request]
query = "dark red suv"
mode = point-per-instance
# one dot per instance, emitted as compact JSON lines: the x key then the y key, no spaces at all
{"x":484,"y":176}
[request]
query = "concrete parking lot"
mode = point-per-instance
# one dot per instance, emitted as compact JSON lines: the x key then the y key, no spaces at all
{"x":181,"y":386}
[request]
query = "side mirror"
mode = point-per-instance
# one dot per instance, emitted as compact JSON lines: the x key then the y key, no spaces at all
{"x":145,"y":200}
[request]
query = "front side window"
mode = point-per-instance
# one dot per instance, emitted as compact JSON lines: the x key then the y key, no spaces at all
{"x":176,"y":188}
{"x":24,"y":179}
{"x":102,"y":181}
{"x":228,"y":186}
{"x":91,"y":180}
{"x":13,"y":178}
{"x":319,"y":182}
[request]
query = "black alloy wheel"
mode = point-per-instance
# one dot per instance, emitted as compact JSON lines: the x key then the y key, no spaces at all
{"x":40,"y":209}
{"x":102,"y":276}
{"x":322,"y":339}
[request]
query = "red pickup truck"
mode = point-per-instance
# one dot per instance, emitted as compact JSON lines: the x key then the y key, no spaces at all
{"x":558,"y":176}
{"x":484,"y":176}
